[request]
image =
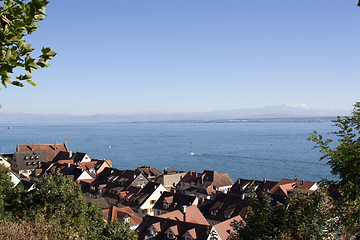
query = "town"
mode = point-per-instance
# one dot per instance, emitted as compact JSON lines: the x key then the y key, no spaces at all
{"x":169,"y":204}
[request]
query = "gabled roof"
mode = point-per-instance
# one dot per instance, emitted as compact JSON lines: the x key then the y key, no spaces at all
{"x":28,"y":159}
{"x":174,"y":201}
{"x":149,"y":171}
{"x":165,"y":224}
{"x":242,"y":186}
{"x":192,"y":233}
{"x":79,"y":156}
{"x":138,"y":199}
{"x":192,"y":215}
{"x":49,"y":150}
{"x":218,"y":179}
{"x":282,"y":187}
{"x":114,"y":213}
{"x":224,"y":228}
{"x":225,"y":206}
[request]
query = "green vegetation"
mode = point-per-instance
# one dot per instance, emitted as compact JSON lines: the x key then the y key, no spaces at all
{"x":303,"y":216}
{"x":316,"y":215}
{"x":19,"y":19}
{"x":344,"y":160}
{"x":55,"y":209}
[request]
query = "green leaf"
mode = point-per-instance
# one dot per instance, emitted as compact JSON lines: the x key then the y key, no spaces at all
{"x":6,"y":79}
{"x":8,"y":55}
{"x":17,"y":83}
{"x":31,"y":82}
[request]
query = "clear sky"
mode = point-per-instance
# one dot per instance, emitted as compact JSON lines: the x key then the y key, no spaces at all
{"x":130,"y":56}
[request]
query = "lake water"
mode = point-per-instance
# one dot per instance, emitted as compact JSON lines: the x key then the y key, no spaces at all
{"x":243,"y":150}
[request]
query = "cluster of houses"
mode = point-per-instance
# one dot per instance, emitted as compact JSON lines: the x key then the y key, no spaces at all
{"x":169,"y":204}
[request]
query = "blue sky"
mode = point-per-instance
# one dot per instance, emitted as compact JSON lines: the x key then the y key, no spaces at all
{"x":130,"y":56}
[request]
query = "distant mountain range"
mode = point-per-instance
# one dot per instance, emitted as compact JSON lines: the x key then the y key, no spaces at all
{"x":278,"y":113}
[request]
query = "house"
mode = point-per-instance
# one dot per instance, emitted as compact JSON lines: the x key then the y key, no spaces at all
{"x":222,"y":230}
{"x":15,"y":179}
{"x":150,"y":173}
{"x":170,"y":179}
{"x":126,"y":214}
{"x":4,"y":161}
{"x":80,"y":157}
{"x":285,"y":185}
{"x":48,"y":150}
{"x":144,"y":201}
{"x":25,"y":162}
{"x":205,"y":185}
{"x":76,"y":173}
{"x":224,"y":207}
{"x":110,"y":178}
{"x":170,"y":201}
{"x":190,"y":214}
{"x":243,"y":186}
{"x":163,"y":228}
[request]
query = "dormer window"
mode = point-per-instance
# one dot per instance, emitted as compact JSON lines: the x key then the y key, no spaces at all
{"x":127,"y":219}
{"x":170,"y":235}
{"x":26,"y":158}
{"x":213,"y":212}
{"x":152,"y":229}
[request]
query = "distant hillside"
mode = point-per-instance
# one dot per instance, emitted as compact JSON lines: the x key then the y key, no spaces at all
{"x":279,"y":113}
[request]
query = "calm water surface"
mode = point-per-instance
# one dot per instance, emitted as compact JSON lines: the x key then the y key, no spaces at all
{"x":247,"y":150}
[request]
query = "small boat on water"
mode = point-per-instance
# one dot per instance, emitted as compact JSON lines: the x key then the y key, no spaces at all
{"x":192,"y":153}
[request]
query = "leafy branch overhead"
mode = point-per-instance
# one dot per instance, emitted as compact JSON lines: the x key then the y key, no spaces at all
{"x":19,"y":18}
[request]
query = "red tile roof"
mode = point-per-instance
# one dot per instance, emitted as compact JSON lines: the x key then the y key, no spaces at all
{"x":50,"y":150}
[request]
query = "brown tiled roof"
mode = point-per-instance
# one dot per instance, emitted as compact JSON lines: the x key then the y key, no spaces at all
{"x":225,"y":206}
{"x":218,"y":179}
{"x":285,"y":185}
{"x":49,"y":150}
{"x":177,"y":201}
{"x":166,"y":224}
{"x":114,"y":213}
{"x":192,"y":215}
{"x":241,"y":186}
{"x":224,"y":229}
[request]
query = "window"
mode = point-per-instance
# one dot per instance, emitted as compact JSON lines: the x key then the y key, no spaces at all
{"x":127,"y":219}
{"x":170,"y":235}
{"x":153,"y":232}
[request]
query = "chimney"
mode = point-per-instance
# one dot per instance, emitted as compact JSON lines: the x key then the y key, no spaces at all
{"x":264,"y":180}
{"x":302,"y":182}
{"x":183,"y":209}
{"x":68,"y":165}
{"x":70,"y":154}
{"x":242,"y":196}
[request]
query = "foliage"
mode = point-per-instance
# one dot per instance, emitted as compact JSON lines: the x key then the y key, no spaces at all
{"x":5,"y":189}
{"x":263,"y":221}
{"x":118,"y":230}
{"x":344,"y":160}
{"x":55,"y":209}
{"x":303,"y":216}
{"x":60,"y":202}
{"x":19,"y":19}
{"x":307,"y":215}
